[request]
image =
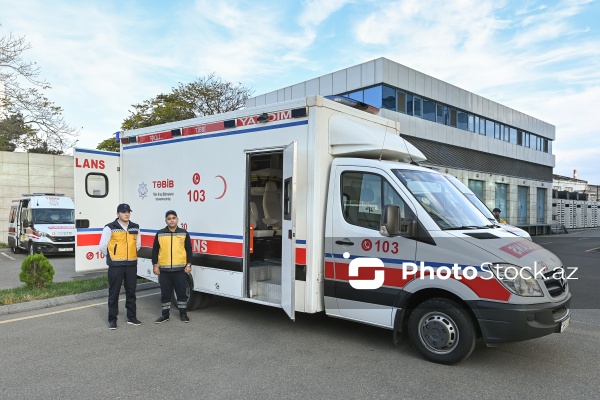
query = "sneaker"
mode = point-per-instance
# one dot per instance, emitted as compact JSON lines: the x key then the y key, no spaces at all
{"x":134,"y":321}
{"x":161,"y":319}
{"x":112,"y":325}
{"x":184,"y":318}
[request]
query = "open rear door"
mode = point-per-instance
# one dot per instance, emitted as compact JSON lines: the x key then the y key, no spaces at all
{"x":97,"y":194}
{"x":288,"y":252}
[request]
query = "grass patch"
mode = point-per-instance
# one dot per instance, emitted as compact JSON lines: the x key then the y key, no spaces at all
{"x":23,"y":294}
{"x":3,"y":245}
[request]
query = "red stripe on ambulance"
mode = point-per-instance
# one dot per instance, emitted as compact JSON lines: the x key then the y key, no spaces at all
{"x":489,"y":289}
{"x":199,"y":129}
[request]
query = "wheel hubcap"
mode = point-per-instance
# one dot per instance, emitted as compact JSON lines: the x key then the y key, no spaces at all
{"x":438,"y":332}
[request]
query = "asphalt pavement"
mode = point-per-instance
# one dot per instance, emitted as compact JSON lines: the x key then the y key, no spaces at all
{"x":235,"y":350}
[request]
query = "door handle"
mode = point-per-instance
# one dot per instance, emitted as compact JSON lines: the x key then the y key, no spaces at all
{"x":344,"y":242}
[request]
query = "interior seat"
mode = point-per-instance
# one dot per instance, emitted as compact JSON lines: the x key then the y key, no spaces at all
{"x":272,"y":207}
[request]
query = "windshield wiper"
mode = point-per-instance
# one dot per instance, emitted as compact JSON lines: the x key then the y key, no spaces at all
{"x":459,"y":228}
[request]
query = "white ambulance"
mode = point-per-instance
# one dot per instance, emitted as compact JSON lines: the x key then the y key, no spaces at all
{"x":42,"y":223}
{"x":311,"y":205}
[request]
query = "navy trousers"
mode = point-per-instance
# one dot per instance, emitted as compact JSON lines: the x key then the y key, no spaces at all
{"x":170,"y":280}
{"x":116,"y":277}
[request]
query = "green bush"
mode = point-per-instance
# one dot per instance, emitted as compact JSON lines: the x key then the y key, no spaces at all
{"x":36,"y":271}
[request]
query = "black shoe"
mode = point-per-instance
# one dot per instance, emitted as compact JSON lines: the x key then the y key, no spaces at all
{"x":112,"y":325}
{"x":134,"y":321}
{"x":161,"y":319}
{"x":184,"y":318}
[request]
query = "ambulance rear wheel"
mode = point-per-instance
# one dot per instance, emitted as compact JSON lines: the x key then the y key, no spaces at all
{"x":442,"y":331}
{"x":195,"y":299}
{"x":15,"y":249}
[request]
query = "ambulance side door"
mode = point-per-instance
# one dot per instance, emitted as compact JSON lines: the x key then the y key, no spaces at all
{"x":97,"y":194}
{"x":361,"y":194}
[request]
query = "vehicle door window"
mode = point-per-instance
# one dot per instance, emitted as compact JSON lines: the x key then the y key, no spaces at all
{"x":363,"y":197}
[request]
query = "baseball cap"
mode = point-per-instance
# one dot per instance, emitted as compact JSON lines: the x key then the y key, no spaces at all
{"x":123,"y":207}
{"x":169,"y":213}
{"x":496,"y":210}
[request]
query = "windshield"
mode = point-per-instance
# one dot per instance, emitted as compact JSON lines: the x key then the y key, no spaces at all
{"x":472,"y":197}
{"x":53,"y":216}
{"x":446,"y":205}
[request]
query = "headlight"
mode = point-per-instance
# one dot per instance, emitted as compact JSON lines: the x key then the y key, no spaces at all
{"x":517,"y":279}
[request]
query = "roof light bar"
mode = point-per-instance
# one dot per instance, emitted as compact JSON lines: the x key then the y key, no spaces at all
{"x":353,"y":103}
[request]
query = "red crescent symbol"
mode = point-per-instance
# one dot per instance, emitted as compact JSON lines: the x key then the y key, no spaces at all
{"x":224,"y":186}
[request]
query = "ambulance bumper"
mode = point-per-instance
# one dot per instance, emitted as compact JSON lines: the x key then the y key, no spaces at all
{"x":50,"y":248}
{"x":501,"y":323}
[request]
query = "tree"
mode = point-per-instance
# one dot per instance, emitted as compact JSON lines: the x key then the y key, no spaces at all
{"x":206,"y":96}
{"x":39,"y":114}
{"x":109,"y":144}
{"x":14,"y":132}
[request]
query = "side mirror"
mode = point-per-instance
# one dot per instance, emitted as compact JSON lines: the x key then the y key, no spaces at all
{"x":25,"y":223}
{"x":390,"y":221}
{"x":391,"y":225}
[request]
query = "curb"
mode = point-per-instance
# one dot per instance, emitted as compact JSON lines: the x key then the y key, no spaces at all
{"x":73,"y":298}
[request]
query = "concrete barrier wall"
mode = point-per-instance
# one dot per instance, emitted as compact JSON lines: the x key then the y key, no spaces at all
{"x":22,"y":173}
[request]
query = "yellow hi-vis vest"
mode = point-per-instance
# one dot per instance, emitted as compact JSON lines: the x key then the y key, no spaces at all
{"x":172,"y":252}
{"x":122,"y":247}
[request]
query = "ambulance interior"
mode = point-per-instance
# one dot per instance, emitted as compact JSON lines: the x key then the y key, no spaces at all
{"x":263,"y":250}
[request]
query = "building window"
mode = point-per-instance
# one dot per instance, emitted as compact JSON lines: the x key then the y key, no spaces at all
{"x":440,"y":114}
{"x":373,"y":96}
{"x":453,"y":117}
{"x":476,"y":187}
{"x":388,"y":99}
{"x":502,"y":199}
{"x":463,"y":120}
{"x":358,"y":95}
{"x":512,"y":135}
{"x":489,"y":128}
{"x":471,"y":120}
{"x":522,"y":205}
{"x":401,"y":101}
{"x":409,"y":104}
{"x":417,"y":106}
{"x":429,"y":110}
{"x":541,"y":205}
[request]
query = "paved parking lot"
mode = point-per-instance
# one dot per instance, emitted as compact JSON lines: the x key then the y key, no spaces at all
{"x":240,"y":350}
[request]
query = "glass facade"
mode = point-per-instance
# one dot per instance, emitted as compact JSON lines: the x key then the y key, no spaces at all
{"x":384,"y":96}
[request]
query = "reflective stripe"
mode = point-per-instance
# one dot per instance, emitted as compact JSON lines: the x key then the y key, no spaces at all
{"x":166,"y":306}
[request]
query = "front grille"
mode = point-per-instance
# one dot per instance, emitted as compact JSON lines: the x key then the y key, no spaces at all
{"x":555,"y":285}
{"x":63,"y":239}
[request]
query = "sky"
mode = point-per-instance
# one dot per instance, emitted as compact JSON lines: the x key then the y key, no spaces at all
{"x":541,"y":58}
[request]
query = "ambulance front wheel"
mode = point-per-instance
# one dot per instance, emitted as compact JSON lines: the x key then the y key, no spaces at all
{"x":442,"y":331}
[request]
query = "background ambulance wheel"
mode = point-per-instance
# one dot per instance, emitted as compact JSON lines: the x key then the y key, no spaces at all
{"x":442,"y":331}
{"x":15,"y":249}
